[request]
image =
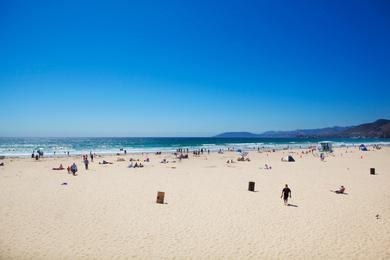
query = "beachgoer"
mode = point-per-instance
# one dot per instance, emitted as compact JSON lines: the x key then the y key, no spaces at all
{"x":341,"y":190}
{"x":1,"y":164}
{"x":68,"y":169}
{"x":73,"y":169}
{"x":86,"y":162}
{"x":105,"y":162}
{"x":286,"y":193}
{"x":59,"y":168}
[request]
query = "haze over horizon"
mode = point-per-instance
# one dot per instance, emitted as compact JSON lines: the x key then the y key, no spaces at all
{"x":119,"y":68}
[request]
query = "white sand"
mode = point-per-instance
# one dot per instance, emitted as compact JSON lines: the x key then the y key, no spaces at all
{"x":110,"y":212}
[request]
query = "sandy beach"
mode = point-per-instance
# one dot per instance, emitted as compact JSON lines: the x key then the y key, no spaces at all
{"x":109,"y":211}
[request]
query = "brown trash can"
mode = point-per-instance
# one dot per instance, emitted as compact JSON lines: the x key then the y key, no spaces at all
{"x":372,"y":171}
{"x":251,"y":186}
{"x":160,"y":197}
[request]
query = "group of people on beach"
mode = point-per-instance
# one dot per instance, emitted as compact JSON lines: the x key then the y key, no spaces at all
{"x":37,"y":155}
{"x":136,"y":165}
{"x":200,"y":151}
{"x":71,"y":169}
{"x":182,"y":150}
{"x":286,"y":191}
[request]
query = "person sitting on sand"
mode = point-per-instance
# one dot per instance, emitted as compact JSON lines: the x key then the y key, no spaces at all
{"x":1,"y":164}
{"x":164,"y":161}
{"x":105,"y":162}
{"x":130,"y":165}
{"x":59,"y":168}
{"x":341,"y":190}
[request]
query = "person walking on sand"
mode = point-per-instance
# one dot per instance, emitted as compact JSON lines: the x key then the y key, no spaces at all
{"x":73,"y":169}
{"x":286,"y":193}
{"x":86,"y":162}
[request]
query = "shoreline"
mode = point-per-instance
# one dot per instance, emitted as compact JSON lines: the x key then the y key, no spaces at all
{"x":286,"y":147}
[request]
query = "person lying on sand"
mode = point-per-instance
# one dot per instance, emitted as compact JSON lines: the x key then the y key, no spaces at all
{"x":340,"y":191}
{"x":105,"y":162}
{"x":59,"y":168}
{"x":164,"y":161}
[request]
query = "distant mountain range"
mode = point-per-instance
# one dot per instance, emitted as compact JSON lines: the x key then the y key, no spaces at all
{"x":377,"y":129}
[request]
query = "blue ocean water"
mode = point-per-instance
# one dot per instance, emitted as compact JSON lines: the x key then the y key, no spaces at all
{"x":25,"y":146}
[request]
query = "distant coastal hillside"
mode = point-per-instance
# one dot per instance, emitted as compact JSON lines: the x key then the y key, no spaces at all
{"x":377,"y":129}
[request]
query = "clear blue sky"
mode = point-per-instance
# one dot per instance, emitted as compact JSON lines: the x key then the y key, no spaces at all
{"x":191,"y":68}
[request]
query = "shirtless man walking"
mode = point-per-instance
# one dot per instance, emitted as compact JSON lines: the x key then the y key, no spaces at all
{"x":286,"y":193}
